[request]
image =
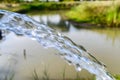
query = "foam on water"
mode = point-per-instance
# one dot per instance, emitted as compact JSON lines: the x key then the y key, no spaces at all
{"x":74,"y":54}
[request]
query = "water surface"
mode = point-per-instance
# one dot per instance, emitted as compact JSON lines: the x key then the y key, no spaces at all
{"x":104,"y":44}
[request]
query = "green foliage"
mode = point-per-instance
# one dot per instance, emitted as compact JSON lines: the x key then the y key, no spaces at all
{"x":68,"y":0}
{"x":86,"y":12}
{"x":9,"y":77}
{"x":26,"y":7}
{"x":35,"y":75}
{"x":46,"y":75}
{"x":117,"y":77}
{"x":108,"y":15}
{"x":10,"y":1}
{"x":113,"y":15}
{"x":64,"y":72}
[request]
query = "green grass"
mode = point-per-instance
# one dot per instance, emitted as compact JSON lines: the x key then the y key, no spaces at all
{"x":117,"y":77}
{"x":96,"y":13}
{"x":9,"y":77}
{"x":29,"y":7}
{"x":64,"y":73}
{"x":46,"y":76}
{"x":35,"y":75}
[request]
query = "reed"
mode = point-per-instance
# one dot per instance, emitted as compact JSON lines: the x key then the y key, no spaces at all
{"x":9,"y":77}
{"x":45,"y":74}
{"x":35,"y":75}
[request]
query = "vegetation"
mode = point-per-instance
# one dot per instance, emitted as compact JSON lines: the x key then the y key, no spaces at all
{"x":20,"y":1}
{"x":44,"y":6}
{"x":45,"y":74}
{"x":117,"y":77}
{"x":35,"y":75}
{"x":10,"y":1}
{"x":103,"y":14}
{"x":27,"y":7}
{"x":46,"y":77}
{"x":9,"y":77}
{"x":97,"y":13}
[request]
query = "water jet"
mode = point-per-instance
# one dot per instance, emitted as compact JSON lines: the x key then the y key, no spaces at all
{"x":23,"y":25}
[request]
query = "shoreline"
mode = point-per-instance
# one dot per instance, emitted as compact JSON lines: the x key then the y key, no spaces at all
{"x":43,"y":6}
{"x":96,"y":14}
{"x":86,"y":25}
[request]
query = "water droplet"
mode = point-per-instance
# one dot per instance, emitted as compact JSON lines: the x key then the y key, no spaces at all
{"x":78,"y":68}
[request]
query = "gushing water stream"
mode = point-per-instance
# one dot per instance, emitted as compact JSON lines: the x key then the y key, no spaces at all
{"x":74,"y":54}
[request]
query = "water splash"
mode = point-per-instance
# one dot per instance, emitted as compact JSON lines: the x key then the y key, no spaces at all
{"x":74,"y":54}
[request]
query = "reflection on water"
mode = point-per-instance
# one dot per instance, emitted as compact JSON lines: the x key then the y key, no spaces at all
{"x":111,"y":34}
{"x":54,"y":21}
{"x":103,"y":43}
{"x":27,"y":55}
{"x":100,"y":46}
{"x":37,"y":58}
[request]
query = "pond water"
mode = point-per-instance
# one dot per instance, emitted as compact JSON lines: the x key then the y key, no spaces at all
{"x":26,"y":56}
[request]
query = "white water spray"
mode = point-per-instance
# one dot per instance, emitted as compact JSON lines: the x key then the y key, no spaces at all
{"x":76,"y":55}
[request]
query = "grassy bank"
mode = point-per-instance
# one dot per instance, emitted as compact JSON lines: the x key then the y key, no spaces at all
{"x":28,"y":7}
{"x":102,"y":13}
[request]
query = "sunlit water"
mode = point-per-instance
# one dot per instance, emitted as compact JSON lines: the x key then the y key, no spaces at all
{"x":40,"y":59}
